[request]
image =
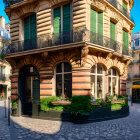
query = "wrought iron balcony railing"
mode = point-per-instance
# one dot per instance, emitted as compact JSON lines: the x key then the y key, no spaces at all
{"x":117,"y":5}
{"x":66,"y":38}
{"x":8,"y":3}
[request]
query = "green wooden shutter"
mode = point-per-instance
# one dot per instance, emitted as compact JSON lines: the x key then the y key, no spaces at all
{"x":66,"y":18}
{"x":26,"y":28}
{"x":125,"y":39}
{"x":100,"y":23}
{"x":112,"y":30}
{"x":93,"y":14}
{"x":33,"y":26}
{"x":57,"y":20}
{"x":124,"y":5}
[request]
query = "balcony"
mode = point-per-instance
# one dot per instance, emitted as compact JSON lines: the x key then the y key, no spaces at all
{"x":76,"y":36}
{"x":8,"y":3}
{"x":117,"y":5}
{"x":4,"y":77}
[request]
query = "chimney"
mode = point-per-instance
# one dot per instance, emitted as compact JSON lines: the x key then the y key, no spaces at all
{"x":2,"y":21}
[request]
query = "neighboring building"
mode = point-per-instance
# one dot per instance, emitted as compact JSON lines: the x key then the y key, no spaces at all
{"x":133,"y":84}
{"x":5,"y":69}
{"x":72,"y":47}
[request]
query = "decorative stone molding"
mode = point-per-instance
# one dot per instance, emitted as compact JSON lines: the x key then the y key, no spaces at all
{"x":98,"y":5}
{"x":56,"y":2}
{"x":84,"y":54}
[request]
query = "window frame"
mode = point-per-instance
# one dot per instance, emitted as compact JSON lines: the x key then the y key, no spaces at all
{"x":61,"y":73}
{"x":61,"y":10}
{"x":113,"y":76}
{"x":96,"y":74}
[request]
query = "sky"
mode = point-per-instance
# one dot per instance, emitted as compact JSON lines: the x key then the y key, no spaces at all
{"x":135,"y":12}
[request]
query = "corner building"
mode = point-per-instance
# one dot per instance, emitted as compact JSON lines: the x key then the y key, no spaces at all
{"x":72,"y":47}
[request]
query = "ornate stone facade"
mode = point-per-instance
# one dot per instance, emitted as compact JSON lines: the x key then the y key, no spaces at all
{"x":82,"y":56}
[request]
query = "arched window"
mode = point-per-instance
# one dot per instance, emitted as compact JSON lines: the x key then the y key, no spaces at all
{"x":64,"y":80}
{"x":97,"y":81}
{"x":113,"y":82}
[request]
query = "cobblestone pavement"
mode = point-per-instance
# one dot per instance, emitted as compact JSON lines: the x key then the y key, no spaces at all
{"x":4,"y":129}
{"x":127,"y":128}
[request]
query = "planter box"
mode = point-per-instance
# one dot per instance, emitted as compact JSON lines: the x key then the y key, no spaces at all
{"x":98,"y":114}
{"x":55,"y":115}
{"x":61,"y":102}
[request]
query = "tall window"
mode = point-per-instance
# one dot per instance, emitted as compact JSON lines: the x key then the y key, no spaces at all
{"x":62,"y":19}
{"x":97,"y":81}
{"x":125,"y":39}
{"x":64,"y":80}
{"x":96,"y":22}
{"x":30,"y":27}
{"x":113,"y":82}
{"x":112,"y":30}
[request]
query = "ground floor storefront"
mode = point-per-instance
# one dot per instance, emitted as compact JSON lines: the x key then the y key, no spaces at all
{"x":75,"y":71}
{"x":3,"y":91}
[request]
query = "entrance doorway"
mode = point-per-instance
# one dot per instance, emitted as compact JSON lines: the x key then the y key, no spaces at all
{"x":29,"y":88}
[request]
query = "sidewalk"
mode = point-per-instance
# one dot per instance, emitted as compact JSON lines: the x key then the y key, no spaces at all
{"x":24,"y":128}
{"x":6,"y":132}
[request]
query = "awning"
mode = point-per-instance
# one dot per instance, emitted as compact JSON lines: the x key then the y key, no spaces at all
{"x":136,"y":87}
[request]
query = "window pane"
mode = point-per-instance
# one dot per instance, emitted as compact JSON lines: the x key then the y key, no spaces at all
{"x":109,"y":85}
{"x":59,"y":68}
{"x":67,"y":67}
{"x":114,"y":85}
{"x":114,"y":72}
{"x":92,"y":85}
{"x":93,"y":69}
{"x":99,"y":69}
{"x":99,"y":86}
{"x":58,"y":85}
{"x":68,"y":85}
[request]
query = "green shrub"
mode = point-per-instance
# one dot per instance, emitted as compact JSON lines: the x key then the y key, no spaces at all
{"x":46,"y":105}
{"x":122,"y":97}
{"x":80,"y":105}
{"x":14,"y":104}
{"x":110,"y":98}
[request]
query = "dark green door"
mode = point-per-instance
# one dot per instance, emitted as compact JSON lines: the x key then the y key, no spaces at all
{"x":36,"y":90}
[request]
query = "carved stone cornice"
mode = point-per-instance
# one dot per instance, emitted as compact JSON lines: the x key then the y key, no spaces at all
{"x":56,"y":2}
{"x":98,"y":5}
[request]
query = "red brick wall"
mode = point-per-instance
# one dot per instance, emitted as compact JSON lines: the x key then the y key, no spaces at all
{"x":14,"y":88}
{"x":80,"y":83}
{"x":45,"y":85}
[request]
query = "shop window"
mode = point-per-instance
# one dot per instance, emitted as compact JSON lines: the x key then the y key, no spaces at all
{"x":97,"y":81}
{"x":64,"y":80}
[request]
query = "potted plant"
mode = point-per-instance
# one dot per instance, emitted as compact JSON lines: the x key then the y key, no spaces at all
{"x":80,"y":108}
{"x":14,"y":108}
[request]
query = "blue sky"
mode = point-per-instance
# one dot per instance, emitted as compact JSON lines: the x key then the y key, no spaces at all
{"x":134,"y":12}
{"x":2,"y":12}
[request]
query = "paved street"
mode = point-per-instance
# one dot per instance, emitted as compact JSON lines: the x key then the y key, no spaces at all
{"x":29,"y":129}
